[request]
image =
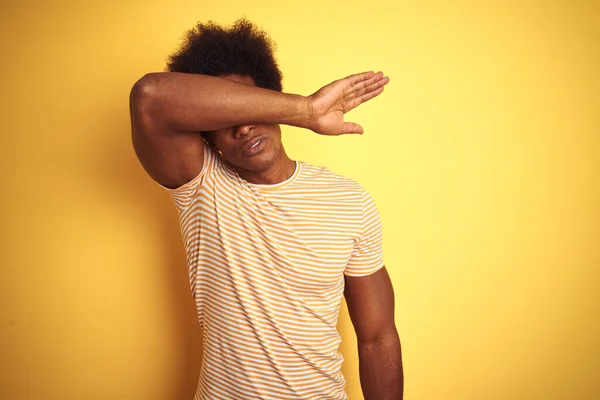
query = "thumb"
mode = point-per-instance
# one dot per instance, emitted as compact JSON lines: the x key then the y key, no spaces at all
{"x":351,"y":127}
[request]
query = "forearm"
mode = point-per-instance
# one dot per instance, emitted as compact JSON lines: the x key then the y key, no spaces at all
{"x":381,"y":373}
{"x":192,"y":102}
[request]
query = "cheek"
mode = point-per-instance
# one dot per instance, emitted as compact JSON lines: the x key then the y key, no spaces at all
{"x":222,"y":143}
{"x":276,"y":134}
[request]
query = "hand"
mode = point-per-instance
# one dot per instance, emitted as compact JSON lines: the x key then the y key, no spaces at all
{"x":329,"y":104}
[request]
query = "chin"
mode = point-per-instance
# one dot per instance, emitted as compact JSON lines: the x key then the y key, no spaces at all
{"x":256,"y":163}
{"x":261,"y":162}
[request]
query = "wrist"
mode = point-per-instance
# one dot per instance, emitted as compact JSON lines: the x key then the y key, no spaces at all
{"x":302,"y":114}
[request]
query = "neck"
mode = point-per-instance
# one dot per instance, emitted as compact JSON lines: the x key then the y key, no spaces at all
{"x":279,"y":171}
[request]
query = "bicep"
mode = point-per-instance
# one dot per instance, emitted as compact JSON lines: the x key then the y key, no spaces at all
{"x":170,"y":158}
{"x":370,"y":302}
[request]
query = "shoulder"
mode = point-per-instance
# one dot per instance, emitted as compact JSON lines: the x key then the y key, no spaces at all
{"x":320,"y":175}
{"x":340,"y":186}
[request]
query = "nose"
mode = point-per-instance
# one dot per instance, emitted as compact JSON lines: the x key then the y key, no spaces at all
{"x":243,"y":130}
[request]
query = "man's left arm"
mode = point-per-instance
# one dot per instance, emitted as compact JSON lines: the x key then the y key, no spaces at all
{"x":370,"y":302}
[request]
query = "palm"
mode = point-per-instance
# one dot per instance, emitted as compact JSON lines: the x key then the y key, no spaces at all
{"x":331,"y":102}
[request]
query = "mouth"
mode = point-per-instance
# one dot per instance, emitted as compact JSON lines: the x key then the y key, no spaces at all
{"x":254,"y":145}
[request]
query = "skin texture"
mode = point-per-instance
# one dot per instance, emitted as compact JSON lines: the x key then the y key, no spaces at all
{"x":370,"y":302}
{"x":270,"y":163}
{"x":168,"y":112}
{"x":169,"y":109}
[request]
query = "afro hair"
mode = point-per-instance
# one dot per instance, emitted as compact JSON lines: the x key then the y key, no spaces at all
{"x":242,"y":49}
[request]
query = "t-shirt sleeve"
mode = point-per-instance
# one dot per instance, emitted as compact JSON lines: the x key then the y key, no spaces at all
{"x":367,"y":255}
{"x":183,"y":195}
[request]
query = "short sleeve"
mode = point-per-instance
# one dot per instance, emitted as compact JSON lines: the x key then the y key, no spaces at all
{"x":182,"y":196}
{"x":367,"y":254}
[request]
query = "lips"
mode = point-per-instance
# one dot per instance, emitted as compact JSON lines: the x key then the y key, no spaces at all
{"x":254,"y":145}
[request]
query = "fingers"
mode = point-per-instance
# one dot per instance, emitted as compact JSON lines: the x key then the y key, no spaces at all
{"x":362,"y":87}
{"x":358,"y":78}
{"x":365,"y":97}
{"x":360,"y":81}
{"x":351,"y":127}
{"x":372,"y":86}
{"x":365,"y":90}
{"x":368,"y":96}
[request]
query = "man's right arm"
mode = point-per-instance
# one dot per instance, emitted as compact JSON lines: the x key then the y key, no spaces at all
{"x":169,"y":110}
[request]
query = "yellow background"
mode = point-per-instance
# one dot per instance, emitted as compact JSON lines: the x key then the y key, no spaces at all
{"x":482,"y":154}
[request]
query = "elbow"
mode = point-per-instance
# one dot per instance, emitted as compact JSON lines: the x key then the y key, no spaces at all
{"x":385,"y":338}
{"x":144,"y":107}
{"x":144,"y":90}
{"x":145,"y":99}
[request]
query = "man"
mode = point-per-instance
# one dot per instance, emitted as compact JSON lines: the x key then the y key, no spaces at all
{"x":272,"y":244}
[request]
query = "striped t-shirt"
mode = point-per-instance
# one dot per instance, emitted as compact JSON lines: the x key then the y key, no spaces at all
{"x":266,"y":266}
